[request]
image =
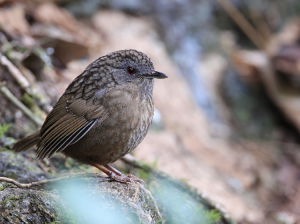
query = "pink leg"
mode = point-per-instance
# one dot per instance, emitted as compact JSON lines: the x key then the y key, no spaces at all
{"x":116,"y":175}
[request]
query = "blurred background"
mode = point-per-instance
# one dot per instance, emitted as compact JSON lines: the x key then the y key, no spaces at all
{"x":228,"y":118}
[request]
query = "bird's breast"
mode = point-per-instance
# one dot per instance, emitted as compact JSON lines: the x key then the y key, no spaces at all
{"x":129,"y":116}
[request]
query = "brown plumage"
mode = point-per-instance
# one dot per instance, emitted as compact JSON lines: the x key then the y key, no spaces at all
{"x":103,"y":114}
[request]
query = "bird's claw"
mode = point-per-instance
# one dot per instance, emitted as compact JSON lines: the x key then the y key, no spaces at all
{"x":126,"y":178}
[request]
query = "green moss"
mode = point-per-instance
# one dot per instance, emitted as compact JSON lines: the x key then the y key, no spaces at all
{"x":184,"y":181}
{"x":154,"y":165}
{"x":8,"y":199}
{"x":27,"y":100}
{"x":3,"y":129}
{"x":143,"y":175}
{"x":213,"y":216}
{"x":39,"y":202}
{"x":13,"y":203}
{"x":11,"y":198}
{"x":11,"y":176}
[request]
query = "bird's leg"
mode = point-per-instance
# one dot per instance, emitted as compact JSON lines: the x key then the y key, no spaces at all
{"x":122,"y":177}
{"x":116,"y":175}
{"x":104,"y":170}
{"x":113,"y":170}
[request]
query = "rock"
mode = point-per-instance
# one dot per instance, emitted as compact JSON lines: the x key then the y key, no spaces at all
{"x":19,"y":168}
{"x":90,"y":198}
{"x":84,"y":199}
{"x":177,"y":201}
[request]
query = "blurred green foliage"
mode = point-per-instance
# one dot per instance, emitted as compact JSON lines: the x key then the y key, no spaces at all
{"x":3,"y":129}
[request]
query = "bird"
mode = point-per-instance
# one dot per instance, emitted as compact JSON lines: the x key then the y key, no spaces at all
{"x":103,"y":114}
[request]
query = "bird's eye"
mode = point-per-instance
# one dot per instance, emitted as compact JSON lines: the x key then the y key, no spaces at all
{"x":130,"y":70}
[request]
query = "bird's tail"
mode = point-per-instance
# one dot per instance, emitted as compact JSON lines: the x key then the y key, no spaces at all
{"x":27,"y":143}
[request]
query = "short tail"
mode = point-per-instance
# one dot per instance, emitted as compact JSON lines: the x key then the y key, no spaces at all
{"x":27,"y":143}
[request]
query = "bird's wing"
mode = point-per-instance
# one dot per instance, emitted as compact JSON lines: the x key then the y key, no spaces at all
{"x":71,"y":118}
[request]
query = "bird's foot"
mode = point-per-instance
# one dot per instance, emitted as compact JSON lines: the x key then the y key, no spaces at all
{"x":116,"y":175}
{"x":126,"y":178}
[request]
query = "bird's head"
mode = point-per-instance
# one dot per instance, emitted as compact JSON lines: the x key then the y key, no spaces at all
{"x":116,"y":68}
{"x":128,"y":66}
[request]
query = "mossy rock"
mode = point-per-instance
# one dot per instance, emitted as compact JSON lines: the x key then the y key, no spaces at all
{"x":81,"y":200}
{"x":17,"y":167}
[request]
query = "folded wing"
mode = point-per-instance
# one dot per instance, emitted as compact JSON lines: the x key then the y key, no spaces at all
{"x":69,"y":121}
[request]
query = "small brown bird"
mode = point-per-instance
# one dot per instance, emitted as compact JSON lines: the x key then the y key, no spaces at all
{"x":103,"y":114}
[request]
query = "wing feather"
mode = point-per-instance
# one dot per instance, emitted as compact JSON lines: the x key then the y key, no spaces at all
{"x":59,"y":133}
{"x":62,"y":129}
{"x":68,"y":122}
{"x":60,"y":144}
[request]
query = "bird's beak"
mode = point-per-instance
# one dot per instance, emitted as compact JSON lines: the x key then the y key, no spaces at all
{"x":156,"y":75}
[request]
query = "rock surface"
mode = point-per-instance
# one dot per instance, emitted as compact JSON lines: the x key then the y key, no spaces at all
{"x":84,"y":199}
{"x":15,"y":166}
{"x":91,"y":198}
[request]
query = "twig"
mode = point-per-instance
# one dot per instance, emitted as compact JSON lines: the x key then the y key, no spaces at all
{"x":42,"y":166}
{"x":260,"y":23}
{"x":24,"y":83}
{"x":5,"y":91}
{"x":242,"y":22}
{"x":42,"y":182}
{"x":15,"y":72}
